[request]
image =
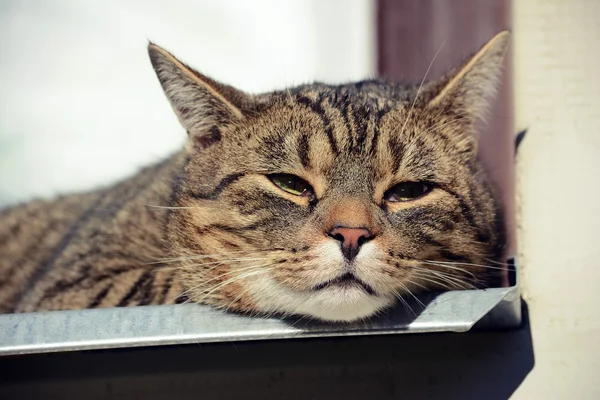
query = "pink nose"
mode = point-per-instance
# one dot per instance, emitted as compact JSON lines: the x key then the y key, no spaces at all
{"x":351,"y":239}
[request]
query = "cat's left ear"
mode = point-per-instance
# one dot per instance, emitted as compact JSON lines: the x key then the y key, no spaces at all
{"x":203,"y":105}
{"x":465,"y":92}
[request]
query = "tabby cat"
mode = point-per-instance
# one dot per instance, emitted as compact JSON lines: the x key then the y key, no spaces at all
{"x":324,"y":201}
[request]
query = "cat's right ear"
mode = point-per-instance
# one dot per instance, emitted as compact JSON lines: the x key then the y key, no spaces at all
{"x":202,"y":105}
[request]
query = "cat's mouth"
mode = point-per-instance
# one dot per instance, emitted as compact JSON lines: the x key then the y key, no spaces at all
{"x":347,"y":280}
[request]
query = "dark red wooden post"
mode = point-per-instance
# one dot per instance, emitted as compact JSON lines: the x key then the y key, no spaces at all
{"x":411,"y":32}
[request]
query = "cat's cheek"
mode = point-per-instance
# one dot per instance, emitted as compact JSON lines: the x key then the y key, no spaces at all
{"x":230,"y":299}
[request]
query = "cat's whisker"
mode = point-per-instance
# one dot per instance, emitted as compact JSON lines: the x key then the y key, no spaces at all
{"x":466,"y":264}
{"x":235,"y":279}
{"x":220,"y":263}
{"x":451,"y":267}
{"x":497,"y":262}
{"x":186,"y":292}
{"x":235,"y":300}
{"x":300,"y":318}
{"x":171,"y":207}
{"x":433,"y":281}
{"x":218,"y":277}
{"x":406,"y":289}
{"x":214,"y":255}
{"x":194,"y":257}
{"x":404,"y":302}
{"x":450,"y":282}
{"x":252,"y":267}
{"x":246,"y":291}
{"x":173,"y":268}
{"x":216,"y":263}
{"x":466,"y":243}
{"x":223,"y":262}
{"x":419,"y":89}
{"x":438,"y":282}
{"x":423,"y":269}
{"x":452,"y":279}
{"x":416,"y":284}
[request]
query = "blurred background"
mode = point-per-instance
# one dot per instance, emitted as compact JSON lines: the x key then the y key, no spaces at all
{"x":80,"y":105}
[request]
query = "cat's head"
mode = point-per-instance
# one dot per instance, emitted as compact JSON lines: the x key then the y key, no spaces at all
{"x":332,"y":201}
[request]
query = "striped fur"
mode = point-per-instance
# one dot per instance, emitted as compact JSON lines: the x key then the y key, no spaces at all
{"x":208,"y":226}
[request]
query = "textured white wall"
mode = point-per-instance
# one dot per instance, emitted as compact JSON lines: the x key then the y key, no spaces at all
{"x":557,"y":87}
{"x":80,"y":105}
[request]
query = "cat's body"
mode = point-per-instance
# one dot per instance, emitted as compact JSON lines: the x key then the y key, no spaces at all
{"x":89,"y":250}
{"x":326,"y":201}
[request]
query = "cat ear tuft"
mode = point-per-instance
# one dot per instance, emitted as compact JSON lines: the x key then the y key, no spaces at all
{"x":201,"y":104}
{"x":466,"y":90}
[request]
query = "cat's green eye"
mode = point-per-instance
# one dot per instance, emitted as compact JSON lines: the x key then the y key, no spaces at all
{"x":292,"y":184}
{"x":407,"y":191}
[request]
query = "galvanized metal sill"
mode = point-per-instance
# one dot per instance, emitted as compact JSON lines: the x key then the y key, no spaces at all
{"x":454,"y":311}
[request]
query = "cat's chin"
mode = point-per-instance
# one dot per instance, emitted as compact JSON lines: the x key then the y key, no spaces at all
{"x":344,"y":312}
{"x":331,"y":305}
{"x":342,"y":304}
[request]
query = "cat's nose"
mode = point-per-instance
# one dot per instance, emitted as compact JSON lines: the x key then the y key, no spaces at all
{"x":351,"y":239}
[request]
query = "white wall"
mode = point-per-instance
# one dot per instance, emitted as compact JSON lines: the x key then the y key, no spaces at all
{"x":80,"y":105}
{"x":557,"y":87}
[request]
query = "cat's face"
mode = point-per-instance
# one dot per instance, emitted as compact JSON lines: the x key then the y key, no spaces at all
{"x":331,"y":201}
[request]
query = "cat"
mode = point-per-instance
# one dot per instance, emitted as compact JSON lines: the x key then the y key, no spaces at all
{"x":325,"y":201}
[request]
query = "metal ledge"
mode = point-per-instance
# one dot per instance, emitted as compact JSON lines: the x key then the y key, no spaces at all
{"x":454,"y":311}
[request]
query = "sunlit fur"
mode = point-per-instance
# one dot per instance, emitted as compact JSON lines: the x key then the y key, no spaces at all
{"x":218,"y":231}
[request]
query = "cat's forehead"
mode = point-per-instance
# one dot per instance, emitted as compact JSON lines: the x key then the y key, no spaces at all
{"x":348,"y":133}
{"x":369,"y":95}
{"x":356,"y":119}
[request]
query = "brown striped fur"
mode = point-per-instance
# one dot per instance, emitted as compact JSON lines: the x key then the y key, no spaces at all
{"x":209,"y":226}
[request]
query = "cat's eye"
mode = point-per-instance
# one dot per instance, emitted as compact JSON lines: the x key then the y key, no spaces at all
{"x":292,"y":184}
{"x":407,"y":191}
